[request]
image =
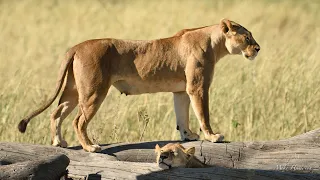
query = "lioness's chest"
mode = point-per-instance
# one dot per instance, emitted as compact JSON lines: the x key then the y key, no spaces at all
{"x":136,"y":86}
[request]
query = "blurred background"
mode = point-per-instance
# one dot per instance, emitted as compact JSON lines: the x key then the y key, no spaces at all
{"x":276,"y":96}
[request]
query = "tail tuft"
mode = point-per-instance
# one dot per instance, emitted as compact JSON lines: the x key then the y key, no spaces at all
{"x":23,"y":125}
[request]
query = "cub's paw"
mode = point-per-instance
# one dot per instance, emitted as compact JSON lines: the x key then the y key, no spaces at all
{"x":191,"y":137}
{"x":214,"y":137}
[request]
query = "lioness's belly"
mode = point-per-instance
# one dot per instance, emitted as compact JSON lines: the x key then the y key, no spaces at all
{"x":138,"y":86}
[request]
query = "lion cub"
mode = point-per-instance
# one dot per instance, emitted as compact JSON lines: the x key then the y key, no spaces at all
{"x":175,"y":155}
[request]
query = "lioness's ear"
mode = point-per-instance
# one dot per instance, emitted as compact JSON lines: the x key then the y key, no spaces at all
{"x":191,"y":151}
{"x":226,"y":26}
{"x":157,"y":148}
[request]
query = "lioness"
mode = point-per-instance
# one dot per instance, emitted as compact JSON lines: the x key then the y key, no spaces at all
{"x":175,"y":155}
{"x":182,"y":64}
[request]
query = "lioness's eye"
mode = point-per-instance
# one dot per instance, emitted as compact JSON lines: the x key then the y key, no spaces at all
{"x":247,"y":39}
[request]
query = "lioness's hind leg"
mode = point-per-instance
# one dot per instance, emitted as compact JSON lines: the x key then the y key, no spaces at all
{"x":88,"y":108}
{"x":60,"y":113}
{"x":92,"y":77}
{"x":67,"y":103}
{"x":181,"y":107}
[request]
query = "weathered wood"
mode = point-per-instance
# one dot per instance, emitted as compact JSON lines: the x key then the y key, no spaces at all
{"x":300,"y":153}
{"x":18,"y":152}
{"x":134,"y":170}
{"x":50,"y":168}
{"x":235,"y":160}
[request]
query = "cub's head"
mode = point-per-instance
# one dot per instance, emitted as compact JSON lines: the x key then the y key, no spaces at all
{"x":173,"y":155}
{"x":239,"y":40}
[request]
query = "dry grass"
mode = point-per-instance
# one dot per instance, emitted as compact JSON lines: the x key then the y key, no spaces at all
{"x":276,"y":96}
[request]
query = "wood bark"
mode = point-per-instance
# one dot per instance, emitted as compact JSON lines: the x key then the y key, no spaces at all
{"x":294,"y":158}
{"x":134,"y":170}
{"x":49,"y":168}
{"x":299,"y":153}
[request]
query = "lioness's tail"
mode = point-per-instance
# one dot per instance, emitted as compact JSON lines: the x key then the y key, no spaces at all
{"x":63,"y":71}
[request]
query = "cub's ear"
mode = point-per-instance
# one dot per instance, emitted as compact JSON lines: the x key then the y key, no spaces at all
{"x":226,"y":26}
{"x":157,"y":148}
{"x":191,"y":150}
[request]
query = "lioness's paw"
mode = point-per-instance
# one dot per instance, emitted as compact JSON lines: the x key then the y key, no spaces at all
{"x":214,"y":137}
{"x":61,"y":143}
{"x":93,"y":148}
{"x":191,"y":137}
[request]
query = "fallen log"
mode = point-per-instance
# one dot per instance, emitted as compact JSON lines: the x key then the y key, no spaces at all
{"x":49,"y":168}
{"x":294,"y":158}
{"x":134,"y":170}
{"x":297,"y":153}
{"x":300,"y":153}
{"x":17,"y":152}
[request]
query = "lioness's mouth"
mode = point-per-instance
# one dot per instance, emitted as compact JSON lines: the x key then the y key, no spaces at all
{"x":168,"y":165}
{"x":249,"y":57}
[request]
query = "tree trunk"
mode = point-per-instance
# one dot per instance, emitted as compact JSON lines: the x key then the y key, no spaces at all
{"x":294,"y":158}
{"x":49,"y":168}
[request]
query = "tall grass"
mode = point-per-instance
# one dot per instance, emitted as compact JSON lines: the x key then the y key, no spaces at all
{"x":276,"y":96}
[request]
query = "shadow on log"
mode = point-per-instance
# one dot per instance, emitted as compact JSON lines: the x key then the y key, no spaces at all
{"x":294,"y":158}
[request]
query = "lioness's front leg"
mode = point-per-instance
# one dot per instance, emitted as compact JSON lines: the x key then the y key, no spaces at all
{"x":200,"y":107}
{"x":198,"y":82}
{"x":181,"y":108}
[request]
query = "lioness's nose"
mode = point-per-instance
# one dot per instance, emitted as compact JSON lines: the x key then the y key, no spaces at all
{"x":163,"y":157}
{"x":257,"y":48}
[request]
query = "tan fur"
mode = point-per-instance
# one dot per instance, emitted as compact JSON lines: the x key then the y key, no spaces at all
{"x":175,"y":155}
{"x":182,"y":64}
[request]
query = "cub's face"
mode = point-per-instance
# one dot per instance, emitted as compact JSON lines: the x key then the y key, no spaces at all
{"x":173,"y":155}
{"x":239,"y":40}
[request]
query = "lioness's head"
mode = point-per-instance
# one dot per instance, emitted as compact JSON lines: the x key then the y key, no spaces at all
{"x":239,"y":40}
{"x":173,"y":155}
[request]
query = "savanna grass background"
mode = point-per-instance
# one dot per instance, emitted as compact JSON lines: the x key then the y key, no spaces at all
{"x":274,"y":97}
